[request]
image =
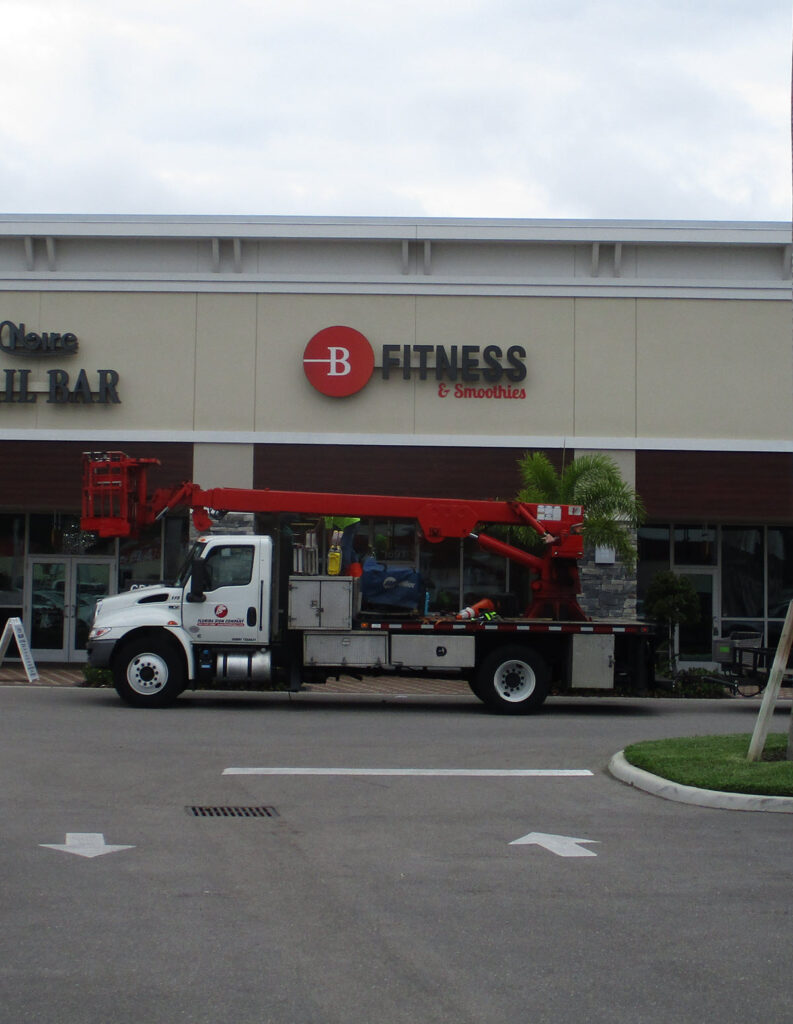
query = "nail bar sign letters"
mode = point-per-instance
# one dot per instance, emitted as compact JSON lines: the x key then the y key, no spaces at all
{"x":61,"y":387}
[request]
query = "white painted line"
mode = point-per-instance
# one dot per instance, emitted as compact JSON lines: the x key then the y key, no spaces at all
{"x":457,"y":772}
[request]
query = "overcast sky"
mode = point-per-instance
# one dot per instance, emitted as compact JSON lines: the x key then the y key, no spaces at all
{"x":651,"y":109}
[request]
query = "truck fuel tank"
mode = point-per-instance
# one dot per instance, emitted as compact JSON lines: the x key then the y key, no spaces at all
{"x":242,"y":666}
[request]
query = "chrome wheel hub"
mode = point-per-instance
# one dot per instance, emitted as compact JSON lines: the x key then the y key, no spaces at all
{"x":514,"y":681}
{"x":147,"y":674}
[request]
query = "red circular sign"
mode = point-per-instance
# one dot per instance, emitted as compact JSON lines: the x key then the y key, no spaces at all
{"x":221,"y":611}
{"x":338,"y":361}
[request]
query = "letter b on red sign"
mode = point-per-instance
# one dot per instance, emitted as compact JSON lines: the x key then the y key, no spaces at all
{"x":338,"y":361}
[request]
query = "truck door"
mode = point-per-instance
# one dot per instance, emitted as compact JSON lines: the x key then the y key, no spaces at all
{"x":235,"y":608}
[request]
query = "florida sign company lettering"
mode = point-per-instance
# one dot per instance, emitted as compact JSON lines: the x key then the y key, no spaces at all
{"x":61,"y":388}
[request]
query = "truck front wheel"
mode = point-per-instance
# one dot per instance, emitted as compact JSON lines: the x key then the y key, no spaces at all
{"x":513,"y":680}
{"x":149,"y":673}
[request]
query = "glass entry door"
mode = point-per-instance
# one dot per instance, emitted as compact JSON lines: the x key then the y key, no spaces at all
{"x":61,"y":593}
{"x":695,"y":641}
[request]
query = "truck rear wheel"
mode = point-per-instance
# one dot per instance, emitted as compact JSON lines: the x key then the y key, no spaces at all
{"x":149,"y":673}
{"x":512,"y":680}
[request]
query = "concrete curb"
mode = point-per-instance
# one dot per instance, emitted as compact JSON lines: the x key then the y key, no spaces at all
{"x":625,"y":772}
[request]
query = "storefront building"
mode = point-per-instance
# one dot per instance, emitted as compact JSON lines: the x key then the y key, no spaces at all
{"x":401,"y":357}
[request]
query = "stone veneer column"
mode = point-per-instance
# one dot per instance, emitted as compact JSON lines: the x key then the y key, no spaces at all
{"x":609,"y":588}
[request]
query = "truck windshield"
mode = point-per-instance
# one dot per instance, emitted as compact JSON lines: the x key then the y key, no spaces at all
{"x":187,"y":566}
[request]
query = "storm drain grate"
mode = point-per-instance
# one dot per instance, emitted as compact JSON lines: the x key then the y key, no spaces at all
{"x":232,"y":812}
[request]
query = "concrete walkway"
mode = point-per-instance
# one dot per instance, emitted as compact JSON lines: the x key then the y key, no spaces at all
{"x":57,"y":675}
{"x":72,"y":675}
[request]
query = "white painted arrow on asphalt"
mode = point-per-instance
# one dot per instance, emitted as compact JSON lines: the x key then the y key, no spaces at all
{"x":562,"y":846}
{"x":85,"y":844}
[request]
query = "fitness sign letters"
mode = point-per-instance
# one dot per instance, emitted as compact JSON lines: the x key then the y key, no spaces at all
{"x":340,"y":361}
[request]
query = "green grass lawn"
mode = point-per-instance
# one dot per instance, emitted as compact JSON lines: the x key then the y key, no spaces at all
{"x":717,"y":762}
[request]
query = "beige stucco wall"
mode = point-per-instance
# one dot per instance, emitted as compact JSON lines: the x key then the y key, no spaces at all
{"x":223,"y":465}
{"x":544,"y":327}
{"x":598,"y":368}
{"x":605,"y":368}
{"x":226,"y":360}
{"x":150,"y":339}
{"x":285,"y":399}
{"x":714,"y":369}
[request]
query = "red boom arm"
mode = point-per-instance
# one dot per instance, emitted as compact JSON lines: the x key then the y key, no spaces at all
{"x":115,"y":504}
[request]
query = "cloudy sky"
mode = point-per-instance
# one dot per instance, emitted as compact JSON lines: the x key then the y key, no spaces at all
{"x":436,"y":108}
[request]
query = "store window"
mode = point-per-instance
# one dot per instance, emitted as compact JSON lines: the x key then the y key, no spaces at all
{"x":155,"y":555}
{"x":780,"y":571}
{"x":750,"y":568}
{"x":453,"y":573}
{"x":653,"y":545}
{"x":140,"y":558}
{"x":695,"y":545}
{"x":742,"y":627}
{"x":12,"y":566}
{"x":57,"y":534}
{"x":448,"y":575}
{"x":441,"y":572}
{"x":742,"y":571}
{"x":395,"y":541}
{"x":484,"y":574}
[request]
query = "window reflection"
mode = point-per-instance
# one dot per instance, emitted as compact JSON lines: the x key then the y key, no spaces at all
{"x":484,"y":573}
{"x":741,"y":571}
{"x":695,"y":545}
{"x":58,"y":534}
{"x":440,"y":572}
{"x":653,"y":544}
{"x":12,"y":566}
{"x":780,"y":571}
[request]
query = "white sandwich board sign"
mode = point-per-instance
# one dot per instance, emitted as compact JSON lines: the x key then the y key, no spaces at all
{"x":14,"y":628}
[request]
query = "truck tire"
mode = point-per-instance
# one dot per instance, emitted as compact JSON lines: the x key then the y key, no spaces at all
{"x":513,"y":680}
{"x":149,"y":673}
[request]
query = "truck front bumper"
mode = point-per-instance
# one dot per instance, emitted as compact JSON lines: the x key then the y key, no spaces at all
{"x":100,"y":652}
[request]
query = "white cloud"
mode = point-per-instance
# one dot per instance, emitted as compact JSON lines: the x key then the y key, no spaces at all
{"x":591,"y":108}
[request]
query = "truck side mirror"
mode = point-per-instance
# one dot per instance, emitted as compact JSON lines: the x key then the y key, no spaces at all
{"x":199,"y":581}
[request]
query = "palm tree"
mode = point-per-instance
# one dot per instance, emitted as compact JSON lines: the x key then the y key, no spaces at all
{"x":612,"y":509}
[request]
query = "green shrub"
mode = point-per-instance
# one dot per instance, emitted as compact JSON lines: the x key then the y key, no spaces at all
{"x":697,"y":682}
{"x":96,"y":676}
{"x":670,"y":601}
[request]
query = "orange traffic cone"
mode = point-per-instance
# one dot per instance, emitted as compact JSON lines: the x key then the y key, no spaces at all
{"x":475,"y":610}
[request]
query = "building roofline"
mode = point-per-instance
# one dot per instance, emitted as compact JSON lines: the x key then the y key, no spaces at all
{"x":675,"y":232}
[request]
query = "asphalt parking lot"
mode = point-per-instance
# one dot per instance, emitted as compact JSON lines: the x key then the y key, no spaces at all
{"x":415,"y":859}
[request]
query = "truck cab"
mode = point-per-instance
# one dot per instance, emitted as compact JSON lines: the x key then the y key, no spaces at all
{"x":214,"y":620}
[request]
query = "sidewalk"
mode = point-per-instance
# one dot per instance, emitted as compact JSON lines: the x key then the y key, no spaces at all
{"x":54,"y":675}
{"x":72,"y":675}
